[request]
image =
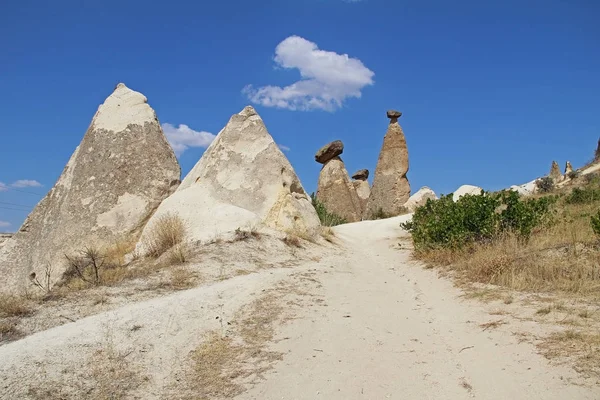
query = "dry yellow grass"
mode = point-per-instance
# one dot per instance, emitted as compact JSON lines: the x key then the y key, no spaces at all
{"x":563,"y":257}
{"x":168,"y":231}
{"x":580,"y":347}
{"x":14,"y":306}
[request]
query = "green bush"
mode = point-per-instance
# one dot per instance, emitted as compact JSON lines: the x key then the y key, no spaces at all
{"x":545,"y":184}
{"x":595,"y":221}
{"x":475,"y":218}
{"x":326,"y":218}
{"x":585,"y":195}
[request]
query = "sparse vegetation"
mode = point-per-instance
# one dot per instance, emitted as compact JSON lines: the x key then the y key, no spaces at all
{"x":545,"y":184}
{"x":246,"y":233}
{"x":14,"y":306}
{"x":380,"y":214}
{"x":326,"y":218}
{"x":168,"y":231}
{"x":292,"y":240}
{"x":543,"y":244}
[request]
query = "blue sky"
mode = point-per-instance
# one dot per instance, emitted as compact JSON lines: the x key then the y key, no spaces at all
{"x":491,"y":91}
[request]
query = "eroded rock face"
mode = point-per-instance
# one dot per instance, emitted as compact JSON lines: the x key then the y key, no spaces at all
{"x":120,"y":172}
{"x":363,"y":191}
{"x":242,"y":180}
{"x":390,"y":185}
{"x":420,"y":198}
{"x":336,"y":191}
{"x":555,"y":173}
{"x":329,"y":151}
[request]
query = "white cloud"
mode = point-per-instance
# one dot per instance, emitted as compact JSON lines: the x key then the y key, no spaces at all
{"x":4,"y":224}
{"x":184,"y":137}
{"x":327,"y":80}
{"x":24,"y":183}
{"x":3,"y":187}
{"x":284,"y":148}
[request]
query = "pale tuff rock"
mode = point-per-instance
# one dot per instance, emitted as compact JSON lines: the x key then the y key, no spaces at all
{"x":361,"y":175}
{"x":526,"y":189}
{"x":336,"y":191}
{"x":420,"y":198}
{"x":242,"y":180}
{"x":329,"y":151}
{"x":466,"y":189}
{"x":363,"y":191}
{"x":555,"y":173}
{"x":568,"y":169}
{"x":390,"y":186}
{"x":117,"y":176}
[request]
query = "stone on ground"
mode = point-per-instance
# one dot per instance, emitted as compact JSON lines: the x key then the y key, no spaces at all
{"x":390,"y":186}
{"x":420,"y":198}
{"x":336,"y":191}
{"x":244,"y":181}
{"x":117,"y":176}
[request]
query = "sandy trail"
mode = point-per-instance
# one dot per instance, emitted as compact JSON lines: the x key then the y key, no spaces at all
{"x":393,"y":330}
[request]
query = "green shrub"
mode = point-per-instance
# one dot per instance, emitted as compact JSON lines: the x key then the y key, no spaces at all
{"x":475,"y":218}
{"x":573,"y":174}
{"x":326,"y":218}
{"x":545,"y":184}
{"x":585,"y":195}
{"x":595,"y":221}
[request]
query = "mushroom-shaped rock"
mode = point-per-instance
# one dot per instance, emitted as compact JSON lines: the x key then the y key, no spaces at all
{"x":420,"y":198}
{"x":118,"y":175}
{"x":390,"y":188}
{"x":329,"y":151}
{"x":466,"y":189}
{"x":243,"y":179}
{"x":393,"y":114}
{"x":336,"y":191}
{"x":361,"y":175}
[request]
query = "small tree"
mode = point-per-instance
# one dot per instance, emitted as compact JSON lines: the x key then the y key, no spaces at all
{"x":545,"y":184}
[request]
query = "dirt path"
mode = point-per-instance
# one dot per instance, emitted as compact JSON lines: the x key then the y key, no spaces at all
{"x":392,"y":329}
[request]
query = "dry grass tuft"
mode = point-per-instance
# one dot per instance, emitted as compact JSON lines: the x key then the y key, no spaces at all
{"x":9,"y":330}
{"x":292,"y":240}
{"x":168,"y":231}
{"x":580,"y":347}
{"x":14,"y":306}
{"x":328,"y":234}
{"x":181,"y":279}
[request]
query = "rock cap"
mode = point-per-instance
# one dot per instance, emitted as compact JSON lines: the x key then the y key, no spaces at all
{"x":329,"y":151}
{"x":393,"y":114}
{"x":361,"y":175}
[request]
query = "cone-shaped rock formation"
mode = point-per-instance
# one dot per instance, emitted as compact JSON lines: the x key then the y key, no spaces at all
{"x":120,"y":172}
{"x":390,"y":186}
{"x":242,"y":180}
{"x":336,"y":191}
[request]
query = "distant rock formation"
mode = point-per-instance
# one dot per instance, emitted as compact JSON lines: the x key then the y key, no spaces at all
{"x":334,"y":189}
{"x":466,"y":189}
{"x":329,"y":151}
{"x":363,"y":189}
{"x":568,"y":169}
{"x":243,"y":180}
{"x":555,"y":173}
{"x":526,"y":189}
{"x":420,"y":198}
{"x":117,"y":176}
{"x":390,"y":186}
{"x":597,"y":154}
{"x":361,"y":175}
